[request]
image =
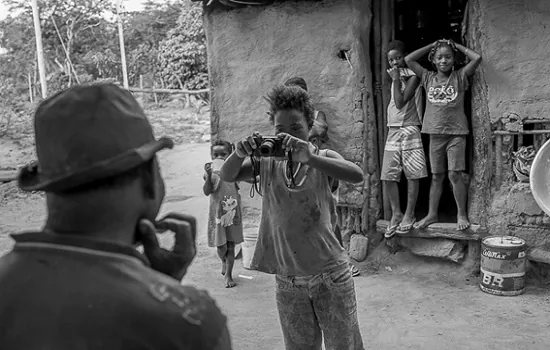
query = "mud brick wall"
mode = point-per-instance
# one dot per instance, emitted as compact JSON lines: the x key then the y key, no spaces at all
{"x":513,"y":38}
{"x":250,"y":50}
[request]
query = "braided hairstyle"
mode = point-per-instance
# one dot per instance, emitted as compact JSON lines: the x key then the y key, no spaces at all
{"x":443,"y":43}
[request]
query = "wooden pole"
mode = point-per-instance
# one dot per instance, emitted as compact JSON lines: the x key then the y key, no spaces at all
{"x":31,"y":97}
{"x":39,"y":48}
{"x":121,"y":42}
{"x":379,"y":78}
{"x":168,"y":91}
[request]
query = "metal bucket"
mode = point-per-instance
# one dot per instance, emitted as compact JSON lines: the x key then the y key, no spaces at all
{"x":503,"y":260}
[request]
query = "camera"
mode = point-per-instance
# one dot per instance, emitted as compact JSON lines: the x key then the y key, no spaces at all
{"x":269,"y":146}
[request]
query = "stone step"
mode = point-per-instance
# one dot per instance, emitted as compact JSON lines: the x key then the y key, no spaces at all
{"x":539,"y":255}
{"x":440,"y":230}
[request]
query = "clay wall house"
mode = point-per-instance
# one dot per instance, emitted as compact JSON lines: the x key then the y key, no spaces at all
{"x":338,"y":47}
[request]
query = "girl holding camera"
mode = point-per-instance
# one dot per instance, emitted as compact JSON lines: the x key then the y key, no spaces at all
{"x":315,"y":290}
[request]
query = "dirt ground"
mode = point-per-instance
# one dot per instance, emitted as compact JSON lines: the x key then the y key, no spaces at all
{"x":404,"y":302}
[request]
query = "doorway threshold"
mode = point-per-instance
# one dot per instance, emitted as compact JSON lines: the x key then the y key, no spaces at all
{"x":440,"y":230}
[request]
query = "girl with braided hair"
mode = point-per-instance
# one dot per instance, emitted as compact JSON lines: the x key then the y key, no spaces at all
{"x":445,"y":121}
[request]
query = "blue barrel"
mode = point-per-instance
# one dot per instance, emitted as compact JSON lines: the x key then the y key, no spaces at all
{"x":503,"y":260}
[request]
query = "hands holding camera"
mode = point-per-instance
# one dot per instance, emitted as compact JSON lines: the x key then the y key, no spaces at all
{"x":300,"y":149}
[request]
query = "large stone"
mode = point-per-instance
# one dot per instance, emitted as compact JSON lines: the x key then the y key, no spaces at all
{"x":521,"y":200}
{"x":435,"y":247}
{"x":358,"y":247}
{"x":346,"y":238}
{"x":515,"y":212}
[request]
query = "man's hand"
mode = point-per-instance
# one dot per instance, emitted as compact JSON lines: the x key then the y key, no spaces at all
{"x":176,"y":262}
{"x":299,"y":148}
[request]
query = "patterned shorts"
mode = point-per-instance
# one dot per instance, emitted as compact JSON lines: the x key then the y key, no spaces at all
{"x":404,"y":153}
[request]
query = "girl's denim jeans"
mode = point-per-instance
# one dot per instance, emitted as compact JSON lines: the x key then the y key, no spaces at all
{"x":319,"y":307}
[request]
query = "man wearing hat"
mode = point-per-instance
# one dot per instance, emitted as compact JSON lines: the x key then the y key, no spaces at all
{"x":80,"y":283}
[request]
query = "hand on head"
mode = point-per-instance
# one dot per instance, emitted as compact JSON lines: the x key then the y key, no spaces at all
{"x":173,"y":263}
{"x":448,"y":42}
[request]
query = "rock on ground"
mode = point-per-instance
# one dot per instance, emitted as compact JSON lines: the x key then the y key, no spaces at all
{"x":358,"y":247}
{"x":435,"y":247}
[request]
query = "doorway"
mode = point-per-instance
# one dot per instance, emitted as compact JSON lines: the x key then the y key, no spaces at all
{"x":418,"y":23}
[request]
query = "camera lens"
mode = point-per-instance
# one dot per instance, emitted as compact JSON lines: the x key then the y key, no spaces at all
{"x":267,"y":148}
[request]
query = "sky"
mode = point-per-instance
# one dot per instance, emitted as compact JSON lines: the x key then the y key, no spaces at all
{"x":130,"y":5}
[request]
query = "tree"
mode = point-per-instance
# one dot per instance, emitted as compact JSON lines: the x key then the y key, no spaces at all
{"x":144,"y":31}
{"x":183,"y":61}
{"x":71,"y":32}
{"x":164,"y":42}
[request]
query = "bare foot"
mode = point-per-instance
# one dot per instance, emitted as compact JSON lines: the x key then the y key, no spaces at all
{"x":229,"y":283}
{"x":224,"y":267}
{"x":462,"y":223}
{"x":427,"y":221}
{"x":396,"y":219}
{"x":407,"y":220}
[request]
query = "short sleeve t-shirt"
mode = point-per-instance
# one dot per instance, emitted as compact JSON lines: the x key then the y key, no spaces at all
{"x":445,"y":104}
{"x":408,"y":115}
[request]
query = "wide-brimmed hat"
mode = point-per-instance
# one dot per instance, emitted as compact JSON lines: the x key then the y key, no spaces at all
{"x":88,"y":133}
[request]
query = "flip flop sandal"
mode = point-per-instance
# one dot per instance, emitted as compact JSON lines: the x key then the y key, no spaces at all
{"x":354,"y":271}
{"x":390,"y":231}
{"x":404,"y":229}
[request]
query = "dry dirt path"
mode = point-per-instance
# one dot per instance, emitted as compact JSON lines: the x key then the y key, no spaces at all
{"x":411,"y":307}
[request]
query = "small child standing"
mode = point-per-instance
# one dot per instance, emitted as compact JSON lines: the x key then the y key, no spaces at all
{"x":445,"y":121}
{"x":403,"y":152}
{"x":224,"y":218}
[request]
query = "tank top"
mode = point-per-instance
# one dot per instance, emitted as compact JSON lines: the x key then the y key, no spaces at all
{"x":296,"y":236}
